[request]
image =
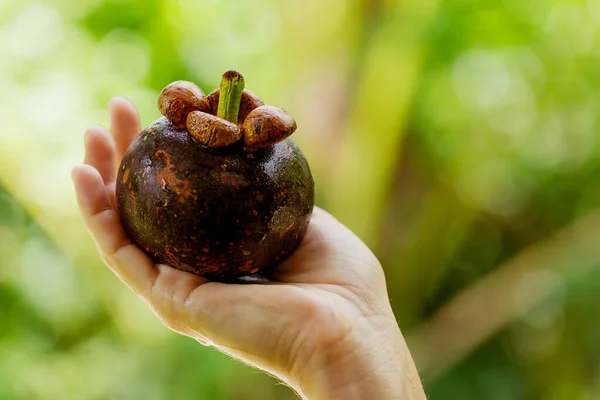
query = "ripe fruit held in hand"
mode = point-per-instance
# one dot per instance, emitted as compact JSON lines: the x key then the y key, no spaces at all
{"x":222,"y":195}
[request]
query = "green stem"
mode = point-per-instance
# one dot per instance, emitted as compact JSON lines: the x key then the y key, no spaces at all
{"x":230,"y":97}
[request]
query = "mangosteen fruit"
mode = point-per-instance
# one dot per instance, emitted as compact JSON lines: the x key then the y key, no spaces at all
{"x":216,"y":187}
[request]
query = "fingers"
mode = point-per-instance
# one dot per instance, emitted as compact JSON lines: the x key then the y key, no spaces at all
{"x":126,"y":260}
{"x":124,"y":124}
{"x":100,"y":152}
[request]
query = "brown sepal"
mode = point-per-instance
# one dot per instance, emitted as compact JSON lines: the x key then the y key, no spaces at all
{"x":180,"y":98}
{"x":212,"y":131}
{"x":265,"y":126}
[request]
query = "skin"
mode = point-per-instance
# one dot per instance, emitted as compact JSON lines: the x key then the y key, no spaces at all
{"x":324,"y":326}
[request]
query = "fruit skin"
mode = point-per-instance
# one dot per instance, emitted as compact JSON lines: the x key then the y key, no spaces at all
{"x":216,"y":213}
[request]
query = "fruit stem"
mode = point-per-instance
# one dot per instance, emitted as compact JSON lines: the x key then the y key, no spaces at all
{"x":232,"y":86}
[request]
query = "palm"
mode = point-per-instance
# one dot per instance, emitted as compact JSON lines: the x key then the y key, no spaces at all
{"x":315,"y":298}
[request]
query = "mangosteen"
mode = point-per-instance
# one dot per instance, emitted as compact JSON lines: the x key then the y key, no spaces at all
{"x":216,"y":187}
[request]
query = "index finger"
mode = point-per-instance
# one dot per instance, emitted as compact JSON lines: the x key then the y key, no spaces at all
{"x":124,"y":124}
{"x":126,"y":260}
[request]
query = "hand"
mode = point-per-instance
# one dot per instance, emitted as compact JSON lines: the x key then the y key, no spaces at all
{"x":324,"y":325}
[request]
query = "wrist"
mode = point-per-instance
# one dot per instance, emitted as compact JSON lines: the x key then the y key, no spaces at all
{"x":371,"y":362}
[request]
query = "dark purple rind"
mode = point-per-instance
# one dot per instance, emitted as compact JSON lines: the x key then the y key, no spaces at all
{"x":217,"y":213}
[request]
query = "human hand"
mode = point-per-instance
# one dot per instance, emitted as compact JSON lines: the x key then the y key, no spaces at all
{"x":324,"y":325}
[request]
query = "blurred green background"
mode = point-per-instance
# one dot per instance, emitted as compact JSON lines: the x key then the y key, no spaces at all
{"x":458,"y":138}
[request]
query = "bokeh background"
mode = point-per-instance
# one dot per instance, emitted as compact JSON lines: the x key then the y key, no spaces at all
{"x":458,"y":138}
